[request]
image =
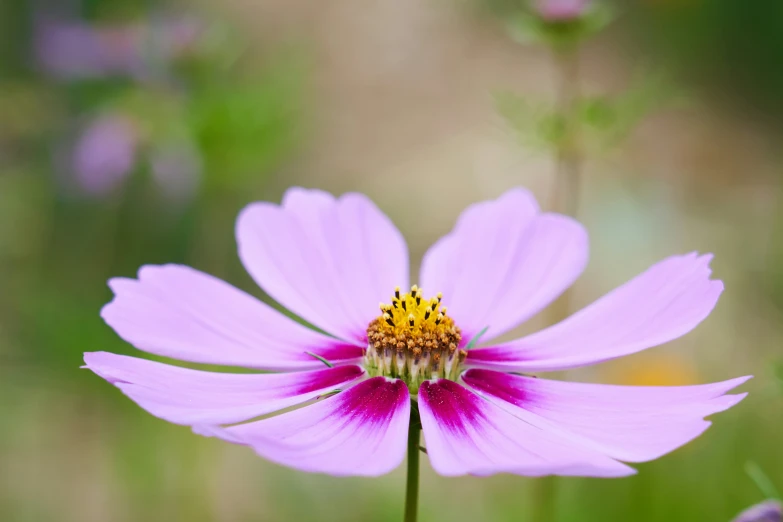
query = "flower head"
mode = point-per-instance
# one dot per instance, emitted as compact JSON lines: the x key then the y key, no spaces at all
{"x":414,"y":340}
{"x":331,"y":261}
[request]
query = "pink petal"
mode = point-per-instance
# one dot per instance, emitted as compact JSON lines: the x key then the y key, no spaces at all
{"x":504,"y":262}
{"x":186,"y":396}
{"x":361,"y":431}
{"x":665,"y":302}
{"x":630,"y":423}
{"x":331,"y":261}
{"x":468,"y":434}
{"x":179,"y":312}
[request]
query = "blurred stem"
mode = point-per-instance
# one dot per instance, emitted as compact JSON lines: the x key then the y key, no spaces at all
{"x":211,"y":246}
{"x":565,"y":200}
{"x":762,"y":480}
{"x":568,"y":157}
{"x":544,"y":495}
{"x":412,"y":484}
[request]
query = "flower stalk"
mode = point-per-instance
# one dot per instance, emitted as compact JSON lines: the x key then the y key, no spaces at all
{"x":566,"y":201}
{"x":412,"y":481}
{"x":568,"y":155}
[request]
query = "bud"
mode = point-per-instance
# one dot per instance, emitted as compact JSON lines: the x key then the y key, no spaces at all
{"x":560,"y":24}
{"x":104,"y":154}
{"x":768,"y":511}
{"x":555,"y":11}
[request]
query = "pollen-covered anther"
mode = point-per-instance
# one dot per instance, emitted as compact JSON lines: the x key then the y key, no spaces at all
{"x":414,"y":339}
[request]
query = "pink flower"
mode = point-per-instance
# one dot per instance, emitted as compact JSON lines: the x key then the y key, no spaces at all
{"x":561,"y":10}
{"x":331,"y":261}
{"x":105,"y":153}
{"x":70,"y":49}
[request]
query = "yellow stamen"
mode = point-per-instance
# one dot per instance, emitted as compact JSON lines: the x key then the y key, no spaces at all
{"x":414,"y":340}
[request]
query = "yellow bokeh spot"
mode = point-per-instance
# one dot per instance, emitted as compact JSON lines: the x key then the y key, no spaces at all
{"x":651,"y":369}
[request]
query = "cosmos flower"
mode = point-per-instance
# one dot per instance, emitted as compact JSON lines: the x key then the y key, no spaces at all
{"x":330,"y":261}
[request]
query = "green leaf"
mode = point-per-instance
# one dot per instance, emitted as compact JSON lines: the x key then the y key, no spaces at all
{"x":247,"y":125}
{"x":327,"y":363}
{"x":536,"y":125}
{"x":476,"y":338}
{"x":328,"y":394}
{"x":777,"y":370}
{"x":761,"y":480}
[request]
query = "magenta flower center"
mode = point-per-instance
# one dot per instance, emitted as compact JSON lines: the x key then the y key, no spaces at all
{"x":414,"y":340}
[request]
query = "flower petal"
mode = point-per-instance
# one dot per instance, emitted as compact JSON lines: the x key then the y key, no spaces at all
{"x":186,"y":396}
{"x":468,"y":434}
{"x":504,"y":262}
{"x":361,"y":431}
{"x":179,"y":312}
{"x":663,"y":303}
{"x":630,"y":423}
{"x":331,"y":261}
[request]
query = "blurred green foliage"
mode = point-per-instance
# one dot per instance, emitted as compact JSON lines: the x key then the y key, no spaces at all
{"x":603,"y":122}
{"x":59,"y":244}
{"x":732,"y":49}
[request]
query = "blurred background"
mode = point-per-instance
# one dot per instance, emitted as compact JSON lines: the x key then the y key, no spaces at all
{"x":133,"y":132}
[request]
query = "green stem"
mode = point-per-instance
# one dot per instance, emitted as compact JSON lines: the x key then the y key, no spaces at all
{"x":565,"y":200}
{"x":544,"y":499}
{"x":568,"y":155}
{"x":412,"y":484}
{"x":762,"y":480}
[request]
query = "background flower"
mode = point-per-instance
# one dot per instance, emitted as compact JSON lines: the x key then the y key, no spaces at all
{"x":70,"y":49}
{"x":769,"y":511}
{"x":105,"y":153}
{"x":561,"y":10}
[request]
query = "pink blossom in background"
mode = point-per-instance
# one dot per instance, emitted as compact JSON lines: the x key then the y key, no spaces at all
{"x":71,"y":49}
{"x":108,"y":149}
{"x":104,"y":154}
{"x":769,"y":511}
{"x":77,"y":50}
{"x":331,"y":261}
{"x":178,"y":36}
{"x":561,"y":10}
